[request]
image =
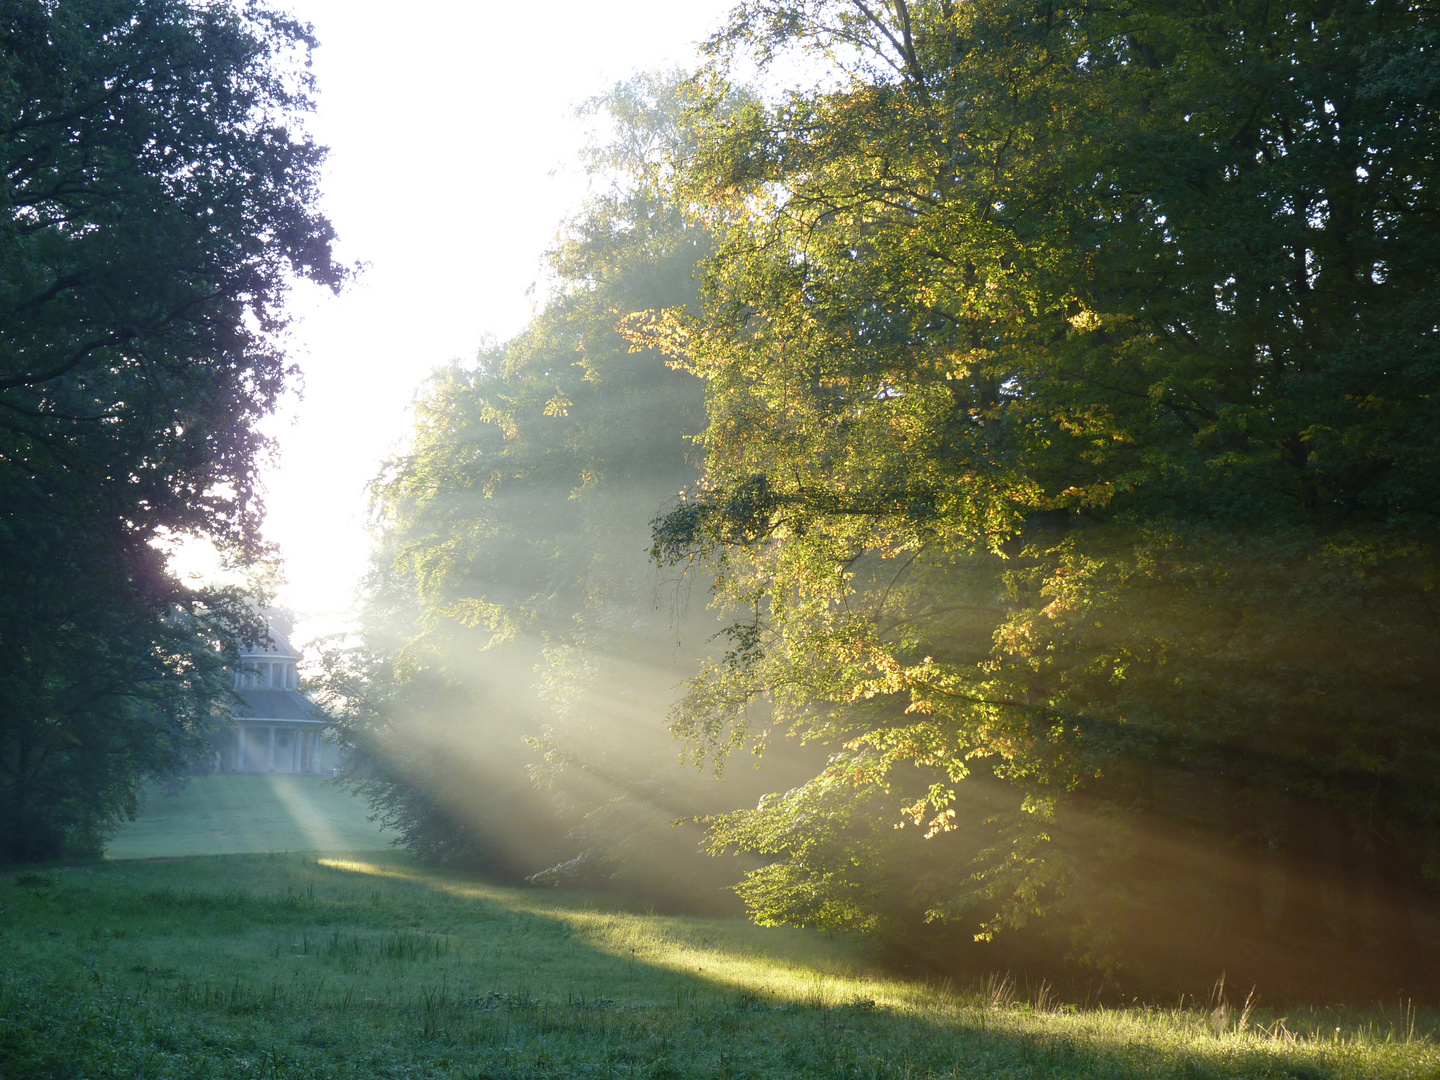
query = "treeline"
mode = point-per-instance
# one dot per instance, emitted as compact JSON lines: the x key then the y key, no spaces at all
{"x":1069,"y":482}
{"x":1071,"y":469}
{"x":157,"y":198}
{"x":1044,"y":397}
{"x":520,"y":650}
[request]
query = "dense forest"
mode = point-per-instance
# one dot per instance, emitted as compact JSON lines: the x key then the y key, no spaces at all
{"x":520,"y":651}
{"x":1066,"y":483}
{"x":973,"y":468}
{"x":1070,"y":464}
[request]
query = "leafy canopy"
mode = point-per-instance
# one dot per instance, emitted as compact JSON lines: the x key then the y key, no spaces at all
{"x":1071,"y":444}
{"x":159,"y":196}
{"x":510,"y":711}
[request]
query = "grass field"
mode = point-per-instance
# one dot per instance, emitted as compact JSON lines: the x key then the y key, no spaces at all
{"x":321,"y":966}
{"x":229,"y":814}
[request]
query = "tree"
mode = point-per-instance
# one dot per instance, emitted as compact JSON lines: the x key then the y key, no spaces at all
{"x":159,"y":197}
{"x":1070,"y":467}
{"x":512,"y":619}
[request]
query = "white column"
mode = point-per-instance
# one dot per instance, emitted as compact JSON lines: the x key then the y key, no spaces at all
{"x":271,"y":748}
{"x":239,"y":747}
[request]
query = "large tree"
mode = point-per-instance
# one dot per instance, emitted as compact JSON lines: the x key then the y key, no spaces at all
{"x":521,"y":650}
{"x":158,"y":198}
{"x":512,"y":598}
{"x":1071,"y":466}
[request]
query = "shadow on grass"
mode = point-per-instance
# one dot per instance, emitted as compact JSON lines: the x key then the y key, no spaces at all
{"x":342,"y":965}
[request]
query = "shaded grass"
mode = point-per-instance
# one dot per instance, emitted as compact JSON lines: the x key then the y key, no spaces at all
{"x":289,"y":966}
{"x":230,"y":814}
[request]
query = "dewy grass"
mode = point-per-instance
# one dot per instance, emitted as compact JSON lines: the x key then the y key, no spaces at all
{"x":227,"y":813}
{"x":291,"y":966}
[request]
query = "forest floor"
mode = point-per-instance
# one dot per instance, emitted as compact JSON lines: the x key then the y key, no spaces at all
{"x":229,"y":814}
{"x":322,"y":966}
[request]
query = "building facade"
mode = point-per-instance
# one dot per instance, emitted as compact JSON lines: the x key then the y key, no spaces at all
{"x":277,"y":728}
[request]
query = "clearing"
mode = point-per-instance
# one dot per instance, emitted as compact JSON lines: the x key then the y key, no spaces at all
{"x":333,"y":966}
{"x":238,"y":814}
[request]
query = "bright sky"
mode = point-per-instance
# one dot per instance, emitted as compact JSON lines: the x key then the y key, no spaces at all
{"x":453,"y":138}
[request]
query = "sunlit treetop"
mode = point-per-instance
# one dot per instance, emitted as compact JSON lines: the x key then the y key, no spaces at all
{"x":1070,"y":389}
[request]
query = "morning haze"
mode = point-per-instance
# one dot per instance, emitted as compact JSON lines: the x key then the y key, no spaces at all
{"x":935,"y":579}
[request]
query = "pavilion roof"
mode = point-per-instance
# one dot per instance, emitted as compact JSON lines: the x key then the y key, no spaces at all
{"x":265,"y":704}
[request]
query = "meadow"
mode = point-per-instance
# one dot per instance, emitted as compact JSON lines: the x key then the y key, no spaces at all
{"x":230,"y":814}
{"x":319,"y":966}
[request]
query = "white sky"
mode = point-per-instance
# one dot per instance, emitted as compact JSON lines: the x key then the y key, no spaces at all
{"x":453,"y":140}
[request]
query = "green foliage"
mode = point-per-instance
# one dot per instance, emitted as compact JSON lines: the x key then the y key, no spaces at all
{"x":1070,"y":380}
{"x":159,"y":195}
{"x":290,"y":967}
{"x":516,"y":630}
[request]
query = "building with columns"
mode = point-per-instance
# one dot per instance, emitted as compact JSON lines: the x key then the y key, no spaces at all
{"x":277,"y":728}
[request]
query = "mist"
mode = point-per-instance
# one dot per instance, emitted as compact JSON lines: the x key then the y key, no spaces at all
{"x":520,"y":650}
{"x":1037,"y":669}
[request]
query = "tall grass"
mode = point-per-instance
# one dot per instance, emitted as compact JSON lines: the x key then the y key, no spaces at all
{"x":289,"y":966}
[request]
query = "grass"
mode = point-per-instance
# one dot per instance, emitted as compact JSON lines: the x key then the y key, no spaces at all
{"x":228,"y":814}
{"x":326,"y":966}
